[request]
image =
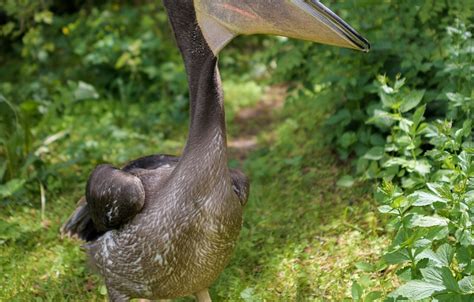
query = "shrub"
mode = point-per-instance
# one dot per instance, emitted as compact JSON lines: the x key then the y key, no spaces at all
{"x":428,"y":190}
{"x":426,"y":41}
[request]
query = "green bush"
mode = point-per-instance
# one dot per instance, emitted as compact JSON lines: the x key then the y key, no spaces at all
{"x":429,"y":42}
{"x":63,"y":56}
{"x":428,"y":190}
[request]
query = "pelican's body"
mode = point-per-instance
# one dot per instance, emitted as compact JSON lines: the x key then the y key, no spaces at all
{"x":180,"y":241}
{"x":164,"y":227}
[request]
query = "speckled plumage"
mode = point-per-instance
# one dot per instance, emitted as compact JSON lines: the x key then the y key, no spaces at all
{"x":165,"y":227}
{"x":180,"y":241}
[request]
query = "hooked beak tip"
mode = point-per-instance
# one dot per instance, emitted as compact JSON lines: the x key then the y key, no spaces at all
{"x":352,"y":37}
{"x":364,"y":46}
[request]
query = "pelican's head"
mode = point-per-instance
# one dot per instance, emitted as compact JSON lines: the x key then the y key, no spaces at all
{"x":222,"y":20}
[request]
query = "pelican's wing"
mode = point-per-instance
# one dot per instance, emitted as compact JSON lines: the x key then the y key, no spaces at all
{"x":113,"y":197}
{"x":240,"y":185}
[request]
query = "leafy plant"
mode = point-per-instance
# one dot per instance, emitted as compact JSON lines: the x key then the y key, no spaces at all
{"x":399,"y":155}
{"x":428,"y":190}
{"x":429,"y":42}
{"x":359,"y":294}
{"x":434,"y":237}
{"x":16,"y":147}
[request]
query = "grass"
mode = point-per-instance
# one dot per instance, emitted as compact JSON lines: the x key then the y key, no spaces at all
{"x":301,"y":240}
{"x":300,"y":243}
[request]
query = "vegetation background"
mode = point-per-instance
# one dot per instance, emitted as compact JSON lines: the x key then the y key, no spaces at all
{"x":361,"y":164}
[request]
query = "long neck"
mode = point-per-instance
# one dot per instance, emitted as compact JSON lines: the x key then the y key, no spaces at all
{"x":206,"y":144}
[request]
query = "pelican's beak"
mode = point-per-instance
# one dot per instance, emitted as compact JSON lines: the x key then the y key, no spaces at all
{"x":222,"y":20}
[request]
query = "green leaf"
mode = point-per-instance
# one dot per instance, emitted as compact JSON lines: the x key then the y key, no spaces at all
{"x":468,"y":147}
{"x":44,"y":16}
{"x":443,"y":256}
{"x":373,"y":296}
{"x":432,"y":275}
{"x":422,"y":167}
{"x":345,"y":181}
{"x":399,"y":84}
{"x":417,"y":290}
{"x":85,"y":91}
{"x":247,"y":294}
{"x":381,"y":118}
{"x":440,"y":276}
{"x":411,"y":100}
{"x":457,"y":99}
{"x":347,"y":139}
{"x":449,"y":281}
{"x":469,"y":197}
{"x":377,"y":139}
{"x":405,"y":125}
{"x":427,"y":221}
{"x":122,"y":60}
{"x":364,"y":266}
{"x":405,"y":274}
{"x":11,"y":187}
{"x":356,"y":291}
{"x":464,"y":258}
{"x":465,"y":161}
{"x":431,"y":255}
{"x":399,"y":202}
{"x":341,"y":116}
{"x":437,"y":233}
{"x":416,"y":118}
{"x":446,"y":253}
{"x":396,"y":257}
{"x":451,"y":297}
{"x":375,"y":153}
{"x":464,"y":237}
{"x":387,"y":89}
{"x":6,"y":29}
{"x":422,"y":243}
{"x":441,"y":190}
{"x":421,"y":198}
{"x":466,"y":285}
{"x":404,"y":141}
{"x":388,"y":101}
{"x":386,"y":209}
{"x":103,"y":290}
{"x":395,"y":161}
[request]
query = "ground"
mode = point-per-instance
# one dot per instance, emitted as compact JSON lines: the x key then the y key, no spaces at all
{"x":303,"y":239}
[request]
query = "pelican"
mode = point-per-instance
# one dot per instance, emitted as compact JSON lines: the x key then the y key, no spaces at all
{"x":164,"y":227}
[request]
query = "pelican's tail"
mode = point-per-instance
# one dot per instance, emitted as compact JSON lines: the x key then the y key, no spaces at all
{"x":80,"y":223}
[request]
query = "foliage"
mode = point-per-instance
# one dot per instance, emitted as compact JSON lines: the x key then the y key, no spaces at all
{"x":114,"y":53}
{"x":429,"y":42}
{"x":432,"y":210}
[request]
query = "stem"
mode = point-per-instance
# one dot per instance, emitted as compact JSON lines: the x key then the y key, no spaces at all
{"x":43,"y":200}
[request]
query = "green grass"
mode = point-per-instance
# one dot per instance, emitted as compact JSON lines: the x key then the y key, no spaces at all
{"x":301,"y":239}
{"x":300,"y":242}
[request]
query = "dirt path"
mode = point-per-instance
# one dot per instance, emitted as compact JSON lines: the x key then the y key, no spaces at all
{"x":250,"y":122}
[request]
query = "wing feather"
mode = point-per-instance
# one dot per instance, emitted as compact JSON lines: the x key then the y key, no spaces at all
{"x":113,"y":197}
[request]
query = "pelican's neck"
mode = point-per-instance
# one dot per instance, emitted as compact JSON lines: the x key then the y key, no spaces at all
{"x":207,"y":133}
{"x":206,"y":142}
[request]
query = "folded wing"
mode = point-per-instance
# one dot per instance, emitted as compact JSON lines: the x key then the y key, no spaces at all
{"x":113,"y":197}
